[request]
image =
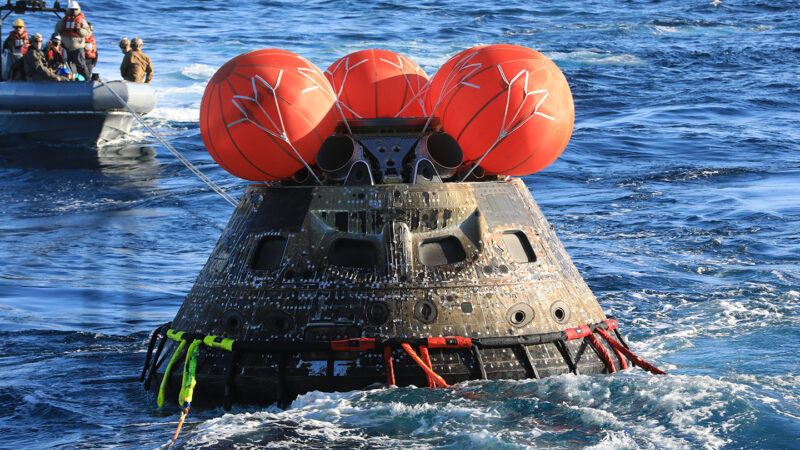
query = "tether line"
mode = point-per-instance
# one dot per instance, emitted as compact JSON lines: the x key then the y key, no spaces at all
{"x":172,"y":150}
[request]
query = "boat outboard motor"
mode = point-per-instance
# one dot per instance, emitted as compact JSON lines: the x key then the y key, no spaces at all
{"x":442,"y":151}
{"x":337,"y":155}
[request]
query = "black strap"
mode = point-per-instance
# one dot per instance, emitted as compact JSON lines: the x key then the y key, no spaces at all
{"x":526,"y":358}
{"x":581,"y":349}
{"x":156,"y":363}
{"x":329,"y":372}
{"x":227,"y":403}
{"x":153,"y":338}
{"x":621,"y":339}
{"x":283,"y":400}
{"x":479,"y":360}
{"x":562,"y":348}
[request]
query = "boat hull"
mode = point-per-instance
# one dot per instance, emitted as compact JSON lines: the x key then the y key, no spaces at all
{"x":84,"y":113}
{"x":80,"y":127}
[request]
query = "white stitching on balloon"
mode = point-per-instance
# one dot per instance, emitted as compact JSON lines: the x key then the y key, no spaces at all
{"x":280,"y":130}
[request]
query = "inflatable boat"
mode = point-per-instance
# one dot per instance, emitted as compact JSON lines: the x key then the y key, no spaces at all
{"x":84,"y":113}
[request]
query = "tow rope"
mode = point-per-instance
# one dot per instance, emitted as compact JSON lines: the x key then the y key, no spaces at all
{"x":214,"y":187}
{"x":382,"y":345}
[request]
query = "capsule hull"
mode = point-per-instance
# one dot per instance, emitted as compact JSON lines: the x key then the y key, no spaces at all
{"x":298,"y":267}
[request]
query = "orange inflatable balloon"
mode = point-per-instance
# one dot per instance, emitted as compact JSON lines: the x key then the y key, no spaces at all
{"x":378,"y":83}
{"x":508,"y":99}
{"x":265,"y":112}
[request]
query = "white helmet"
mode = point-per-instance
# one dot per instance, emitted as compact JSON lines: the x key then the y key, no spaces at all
{"x":73,"y":4}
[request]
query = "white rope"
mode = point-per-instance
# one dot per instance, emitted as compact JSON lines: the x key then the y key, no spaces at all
{"x":511,"y":127}
{"x":460,"y":65}
{"x":280,"y":132}
{"x":172,"y":150}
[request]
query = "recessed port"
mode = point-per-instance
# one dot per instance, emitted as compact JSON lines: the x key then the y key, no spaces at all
{"x":520,"y":314}
{"x":560,"y":311}
{"x":378,"y":313}
{"x":232,"y":321}
{"x":425,"y":311}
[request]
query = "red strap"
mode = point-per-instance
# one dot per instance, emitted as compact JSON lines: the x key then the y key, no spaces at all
{"x":426,"y":358}
{"x":449,"y":342}
{"x":421,"y":364}
{"x":577,"y":332}
{"x":623,"y":363}
{"x":387,"y":358}
{"x":630,"y":355}
{"x":353,"y":345}
{"x":612,"y":324}
{"x":604,"y":355}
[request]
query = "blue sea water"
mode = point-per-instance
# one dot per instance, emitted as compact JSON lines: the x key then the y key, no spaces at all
{"x":678,"y":198}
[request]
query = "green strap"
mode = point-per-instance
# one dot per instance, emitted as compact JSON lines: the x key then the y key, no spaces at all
{"x":189,"y":369}
{"x":175,"y":335}
{"x":188,"y":380}
{"x":225,"y":344}
{"x":172,"y":360}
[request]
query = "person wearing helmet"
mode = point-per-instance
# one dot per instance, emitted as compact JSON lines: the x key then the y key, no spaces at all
{"x":35,"y":63}
{"x":136,"y":66}
{"x":54,"y":53}
{"x":17,"y":43}
{"x":91,"y":50}
{"x":74,"y":30}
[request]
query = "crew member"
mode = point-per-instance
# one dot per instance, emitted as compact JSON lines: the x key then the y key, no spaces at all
{"x":136,"y":66}
{"x":125,"y":45}
{"x":16,"y":43}
{"x":54,"y":53}
{"x":91,"y":50}
{"x":74,"y":30}
{"x":35,"y":63}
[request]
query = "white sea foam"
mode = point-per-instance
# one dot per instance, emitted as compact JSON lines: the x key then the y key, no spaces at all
{"x":626,"y":411}
{"x":176,"y":114}
{"x":595,"y":56}
{"x":617,"y":440}
{"x":198,"y":71}
{"x":663,"y":29}
{"x":194,"y":88}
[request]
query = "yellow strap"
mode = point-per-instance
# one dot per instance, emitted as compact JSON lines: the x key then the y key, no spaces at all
{"x":189,"y":368}
{"x":172,"y":360}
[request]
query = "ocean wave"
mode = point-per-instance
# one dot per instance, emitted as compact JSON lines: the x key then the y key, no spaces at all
{"x":194,"y":88}
{"x":176,"y":114}
{"x":632,"y":410}
{"x":198,"y":71}
{"x":595,"y":57}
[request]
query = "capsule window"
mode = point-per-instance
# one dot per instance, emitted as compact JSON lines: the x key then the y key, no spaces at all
{"x":439,"y":251}
{"x":355,"y":253}
{"x":518,"y":246}
{"x":269,"y":253}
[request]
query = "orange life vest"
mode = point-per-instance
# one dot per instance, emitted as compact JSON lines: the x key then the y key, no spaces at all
{"x":52,"y":54}
{"x":19,"y":42}
{"x":91,"y":47}
{"x":72,"y":25}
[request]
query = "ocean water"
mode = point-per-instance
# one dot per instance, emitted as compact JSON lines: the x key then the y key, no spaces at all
{"x":678,"y":199}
